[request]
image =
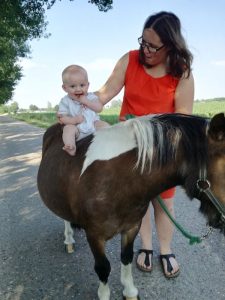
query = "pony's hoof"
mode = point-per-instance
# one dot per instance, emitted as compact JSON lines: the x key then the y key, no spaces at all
{"x":131,"y":298}
{"x":69,"y":248}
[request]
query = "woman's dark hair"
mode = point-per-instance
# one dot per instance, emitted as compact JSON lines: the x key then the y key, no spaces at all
{"x":168,"y":27}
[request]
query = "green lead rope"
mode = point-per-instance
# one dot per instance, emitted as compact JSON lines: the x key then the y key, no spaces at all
{"x":129,"y":116}
{"x":192,"y":239}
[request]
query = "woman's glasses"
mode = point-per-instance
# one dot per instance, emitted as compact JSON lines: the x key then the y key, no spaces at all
{"x":144,"y":44}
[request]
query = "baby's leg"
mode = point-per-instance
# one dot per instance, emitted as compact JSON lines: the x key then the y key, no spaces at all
{"x":100,"y":124}
{"x":69,"y":134}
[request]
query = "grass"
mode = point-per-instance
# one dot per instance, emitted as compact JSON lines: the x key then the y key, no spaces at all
{"x":45,"y":119}
{"x":209,"y":108}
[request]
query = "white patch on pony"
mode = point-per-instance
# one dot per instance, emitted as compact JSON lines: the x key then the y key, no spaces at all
{"x":68,"y":233}
{"x":130,"y":290}
{"x":110,"y":142}
{"x":103,"y":291}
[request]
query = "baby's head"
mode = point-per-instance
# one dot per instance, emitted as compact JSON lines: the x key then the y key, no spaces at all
{"x":73,"y":70}
{"x":75,"y":81}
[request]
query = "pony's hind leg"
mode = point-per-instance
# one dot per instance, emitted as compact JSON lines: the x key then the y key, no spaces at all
{"x":130,"y":292}
{"x":102,"y":266}
{"x":69,"y":240}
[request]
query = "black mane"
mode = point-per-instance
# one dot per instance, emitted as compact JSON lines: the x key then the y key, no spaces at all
{"x":191,"y":133}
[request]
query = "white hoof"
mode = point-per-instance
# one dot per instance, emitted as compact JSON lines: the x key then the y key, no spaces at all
{"x":130,"y":292}
{"x":103,"y":291}
{"x":69,"y":248}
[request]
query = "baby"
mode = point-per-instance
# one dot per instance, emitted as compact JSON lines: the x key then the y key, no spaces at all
{"x":78,"y":109}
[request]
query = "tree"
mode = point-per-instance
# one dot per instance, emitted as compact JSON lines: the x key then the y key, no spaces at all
{"x":4,"y":109}
{"x":56,"y":107}
{"x":33,"y":107}
{"x":103,"y":5}
{"x":14,"y":107}
{"x":20,"y":22}
{"x":49,"y":106}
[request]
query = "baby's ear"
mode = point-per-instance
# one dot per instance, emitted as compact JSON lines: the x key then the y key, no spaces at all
{"x":64,"y":87}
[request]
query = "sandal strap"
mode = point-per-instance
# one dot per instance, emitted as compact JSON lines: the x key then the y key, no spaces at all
{"x":167,"y":258}
{"x":147,"y":253}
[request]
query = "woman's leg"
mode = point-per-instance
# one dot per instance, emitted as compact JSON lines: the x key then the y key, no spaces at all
{"x":165,"y":231}
{"x":69,"y":134}
{"x":144,"y":259}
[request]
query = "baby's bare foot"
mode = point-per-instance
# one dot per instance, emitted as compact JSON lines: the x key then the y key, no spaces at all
{"x":70,"y":149}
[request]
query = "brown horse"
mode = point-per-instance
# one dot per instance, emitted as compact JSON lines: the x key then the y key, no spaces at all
{"x":107,"y":186}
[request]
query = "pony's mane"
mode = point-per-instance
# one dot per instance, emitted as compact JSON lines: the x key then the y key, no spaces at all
{"x":159,"y":137}
{"x":157,"y":140}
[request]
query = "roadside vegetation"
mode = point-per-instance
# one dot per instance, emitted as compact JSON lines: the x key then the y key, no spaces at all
{"x":46,"y":117}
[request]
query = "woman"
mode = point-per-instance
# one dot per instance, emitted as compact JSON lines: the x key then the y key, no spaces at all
{"x":156,"y":78}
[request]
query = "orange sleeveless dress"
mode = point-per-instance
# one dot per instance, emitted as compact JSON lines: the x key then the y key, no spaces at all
{"x":145,"y":95}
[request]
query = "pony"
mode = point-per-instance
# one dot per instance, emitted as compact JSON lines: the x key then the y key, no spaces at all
{"x":107,"y":186}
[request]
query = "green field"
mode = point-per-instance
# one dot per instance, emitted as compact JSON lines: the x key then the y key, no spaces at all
{"x":45,"y":119}
{"x":209,"y":108}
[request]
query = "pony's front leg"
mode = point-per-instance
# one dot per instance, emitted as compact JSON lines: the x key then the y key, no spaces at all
{"x":69,"y":240}
{"x":102,"y":266}
{"x":130,"y":292}
{"x":103,"y":291}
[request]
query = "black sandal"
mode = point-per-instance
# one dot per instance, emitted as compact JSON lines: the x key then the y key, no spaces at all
{"x":169,"y":266}
{"x":146,"y":261}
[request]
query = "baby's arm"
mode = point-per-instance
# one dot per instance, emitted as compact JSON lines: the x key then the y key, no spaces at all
{"x":64,"y":116}
{"x":66,"y":120}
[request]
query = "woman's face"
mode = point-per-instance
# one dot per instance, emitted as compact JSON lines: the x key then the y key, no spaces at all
{"x":150,"y":46}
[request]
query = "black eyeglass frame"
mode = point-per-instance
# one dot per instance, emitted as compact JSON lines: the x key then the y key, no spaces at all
{"x":144,"y":44}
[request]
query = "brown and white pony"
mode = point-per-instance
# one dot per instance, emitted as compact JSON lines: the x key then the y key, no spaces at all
{"x":106,"y":187}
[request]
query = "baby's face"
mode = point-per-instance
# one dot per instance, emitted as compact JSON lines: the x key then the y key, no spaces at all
{"x":76,"y":85}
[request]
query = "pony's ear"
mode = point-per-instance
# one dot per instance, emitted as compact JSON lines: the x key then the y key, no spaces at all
{"x":217,"y":127}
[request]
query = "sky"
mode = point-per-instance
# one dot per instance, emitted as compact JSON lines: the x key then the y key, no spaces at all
{"x":81,"y":34}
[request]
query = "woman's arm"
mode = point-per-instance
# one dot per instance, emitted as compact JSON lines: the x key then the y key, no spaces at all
{"x":184,"y":95}
{"x":94,"y":105}
{"x":115,"y":82}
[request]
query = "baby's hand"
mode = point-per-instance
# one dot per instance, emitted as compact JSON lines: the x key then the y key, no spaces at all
{"x":65,"y":120}
{"x":59,"y":118}
{"x":80,"y":119}
{"x":82,"y":99}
